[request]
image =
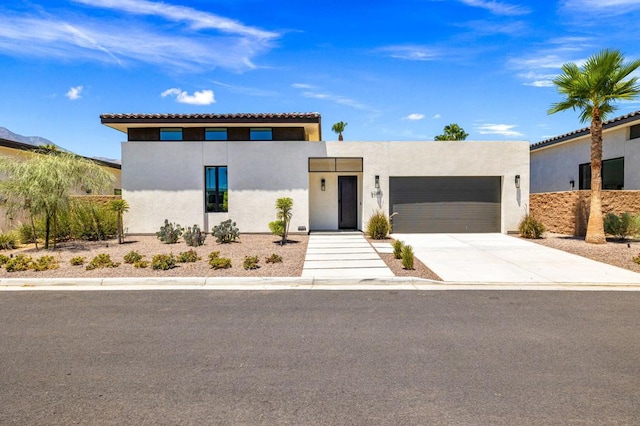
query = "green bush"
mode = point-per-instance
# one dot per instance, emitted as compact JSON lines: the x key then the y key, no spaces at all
{"x":4,"y":259}
{"x":8,"y":240}
{"x":169,"y":233}
{"x":103,"y":260}
{"x":530,"y":227}
{"x":132,"y":257}
{"x":251,"y":262}
{"x":378,"y":226}
{"x":407,"y":257}
{"x":226,"y":232}
{"x":217,"y":262}
{"x":26,"y":234}
{"x":44,"y":263}
{"x":623,"y":226}
{"x":194,"y":236}
{"x":19,"y":263}
{"x":163,"y":262}
{"x":397,"y":249}
{"x":88,"y":220}
{"x":189,"y":256}
{"x":277,"y":227}
{"x":77,"y":261}
{"x":274,"y":258}
{"x":141,"y":264}
{"x":636,"y":259}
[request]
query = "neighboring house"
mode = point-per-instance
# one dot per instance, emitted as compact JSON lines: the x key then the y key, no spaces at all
{"x":563,"y":163}
{"x":205,"y":168}
{"x":19,"y":150}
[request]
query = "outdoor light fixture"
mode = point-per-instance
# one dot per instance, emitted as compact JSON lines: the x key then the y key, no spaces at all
{"x":572,"y":183}
{"x":322,"y":184}
{"x":377,"y":181}
{"x":517,"y":181}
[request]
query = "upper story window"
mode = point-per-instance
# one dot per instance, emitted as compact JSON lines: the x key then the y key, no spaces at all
{"x":612,"y":174}
{"x":170,"y":134}
{"x":634,"y":132}
{"x":260,"y":134}
{"x":215,"y":134}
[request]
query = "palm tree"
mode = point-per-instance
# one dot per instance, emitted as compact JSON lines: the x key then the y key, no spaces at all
{"x":119,"y":207}
{"x":339,"y":128}
{"x":452,"y":132}
{"x":284,"y":209}
{"x":592,"y":89}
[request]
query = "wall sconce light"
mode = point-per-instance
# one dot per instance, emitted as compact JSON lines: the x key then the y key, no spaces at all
{"x":377,"y":182}
{"x":322,"y":184}
{"x":517,"y":181}
{"x":572,"y":183}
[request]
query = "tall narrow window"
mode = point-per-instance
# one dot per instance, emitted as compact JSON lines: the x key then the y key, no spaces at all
{"x":170,"y":134}
{"x":216,"y":189}
{"x":260,"y":134}
{"x":215,"y":134}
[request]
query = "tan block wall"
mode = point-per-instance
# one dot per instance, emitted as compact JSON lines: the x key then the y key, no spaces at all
{"x":567,"y":212}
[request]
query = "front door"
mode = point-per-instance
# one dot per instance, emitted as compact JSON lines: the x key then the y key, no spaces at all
{"x":347,"y":202}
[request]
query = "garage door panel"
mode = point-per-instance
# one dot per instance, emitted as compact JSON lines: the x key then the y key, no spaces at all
{"x":445,"y":204}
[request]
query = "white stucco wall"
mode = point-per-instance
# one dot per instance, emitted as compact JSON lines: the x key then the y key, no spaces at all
{"x":166,"y":179}
{"x":554,"y":166}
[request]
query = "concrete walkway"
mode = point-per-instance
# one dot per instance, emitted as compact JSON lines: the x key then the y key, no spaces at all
{"x":342,"y":255}
{"x":499,"y":258}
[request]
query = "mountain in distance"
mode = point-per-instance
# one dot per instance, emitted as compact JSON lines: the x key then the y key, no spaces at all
{"x":38,"y":141}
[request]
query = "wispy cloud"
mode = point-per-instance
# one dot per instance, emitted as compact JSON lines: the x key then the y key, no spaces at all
{"x":499,"y":129}
{"x":436,"y":116}
{"x":410,"y":52}
{"x":301,"y":86}
{"x":498,"y":8}
{"x":203,"y":97}
{"x":606,"y":7}
{"x":192,"y":46}
{"x":414,"y":116}
{"x":309,"y":91}
{"x":74,"y":93}
{"x":251,"y":91}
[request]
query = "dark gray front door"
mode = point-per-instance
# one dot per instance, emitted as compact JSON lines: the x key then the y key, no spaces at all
{"x":347,"y":202}
{"x":445,"y":204}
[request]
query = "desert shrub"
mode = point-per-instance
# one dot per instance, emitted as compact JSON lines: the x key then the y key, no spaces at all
{"x":189,"y":256}
{"x":88,"y":220}
{"x":623,"y":226}
{"x":103,"y":260}
{"x":226,"y":232}
{"x":530,"y":227}
{"x":636,"y":259}
{"x":44,"y":263}
{"x":169,"y":233}
{"x":274,"y":258}
{"x":4,"y":259}
{"x":77,"y":261}
{"x":132,"y":257}
{"x":277,"y":227}
{"x":163,"y":262}
{"x":26,"y":234}
{"x":397,"y":249}
{"x":251,"y":262}
{"x":217,"y":262}
{"x":407,"y":257}
{"x":141,"y":264}
{"x":378,"y":226}
{"x":19,"y":263}
{"x":194,"y":236}
{"x":8,"y":240}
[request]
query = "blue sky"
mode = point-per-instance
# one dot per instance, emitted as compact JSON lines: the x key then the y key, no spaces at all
{"x":398,"y":70}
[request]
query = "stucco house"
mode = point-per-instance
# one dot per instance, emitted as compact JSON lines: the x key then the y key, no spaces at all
{"x":563,"y":163}
{"x":205,"y":168}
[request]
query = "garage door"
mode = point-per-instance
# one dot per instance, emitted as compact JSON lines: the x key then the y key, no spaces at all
{"x":445,"y":204}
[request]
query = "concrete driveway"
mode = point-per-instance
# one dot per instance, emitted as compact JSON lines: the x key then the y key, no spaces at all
{"x":499,"y":258}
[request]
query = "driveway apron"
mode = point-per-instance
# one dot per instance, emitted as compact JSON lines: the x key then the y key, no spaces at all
{"x":342,"y":255}
{"x":499,"y":258}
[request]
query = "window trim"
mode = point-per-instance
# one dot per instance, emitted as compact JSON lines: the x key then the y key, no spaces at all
{"x":218,"y":205}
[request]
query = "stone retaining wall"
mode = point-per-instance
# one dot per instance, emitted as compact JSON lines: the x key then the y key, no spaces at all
{"x":567,"y":212}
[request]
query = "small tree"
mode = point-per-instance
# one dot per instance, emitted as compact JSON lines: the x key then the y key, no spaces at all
{"x":119,"y":207}
{"x":339,"y":128}
{"x":452,"y":132}
{"x":284,"y":208}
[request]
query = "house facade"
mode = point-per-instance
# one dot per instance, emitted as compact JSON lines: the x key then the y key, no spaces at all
{"x":205,"y":168}
{"x":563,"y":163}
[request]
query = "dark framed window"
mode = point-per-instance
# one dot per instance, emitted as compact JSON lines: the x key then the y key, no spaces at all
{"x":612,"y":174}
{"x":335,"y":164}
{"x":170,"y":134}
{"x":260,"y":134}
{"x":216,"y":189}
{"x":215,"y":134}
{"x":634,"y":132}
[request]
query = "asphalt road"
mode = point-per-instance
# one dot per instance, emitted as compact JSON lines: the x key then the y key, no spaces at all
{"x":319,"y":357}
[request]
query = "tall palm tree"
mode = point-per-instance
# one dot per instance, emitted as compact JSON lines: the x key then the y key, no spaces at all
{"x":339,"y":128}
{"x":452,"y":132}
{"x":592,"y":89}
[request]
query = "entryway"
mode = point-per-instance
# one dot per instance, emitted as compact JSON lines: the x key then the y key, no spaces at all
{"x":347,"y":202}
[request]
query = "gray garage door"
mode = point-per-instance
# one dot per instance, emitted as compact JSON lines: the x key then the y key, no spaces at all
{"x":445,"y":204}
